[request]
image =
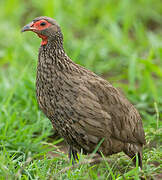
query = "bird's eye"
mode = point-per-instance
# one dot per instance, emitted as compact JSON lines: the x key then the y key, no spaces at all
{"x":43,"y":24}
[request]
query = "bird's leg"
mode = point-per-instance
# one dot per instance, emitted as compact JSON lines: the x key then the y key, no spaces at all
{"x":73,"y":155}
{"x":139,"y":156}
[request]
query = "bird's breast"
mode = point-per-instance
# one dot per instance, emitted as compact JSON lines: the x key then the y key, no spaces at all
{"x":55,"y":91}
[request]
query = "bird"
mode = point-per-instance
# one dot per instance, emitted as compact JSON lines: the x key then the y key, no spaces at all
{"x":85,"y":109}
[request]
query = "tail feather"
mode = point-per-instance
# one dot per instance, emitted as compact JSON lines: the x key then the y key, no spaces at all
{"x":131,"y":150}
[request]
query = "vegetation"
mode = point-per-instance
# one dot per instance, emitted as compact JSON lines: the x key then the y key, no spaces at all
{"x":119,"y":40}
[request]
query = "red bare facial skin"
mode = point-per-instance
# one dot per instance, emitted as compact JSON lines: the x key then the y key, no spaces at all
{"x":37,"y":27}
{"x":44,"y":39}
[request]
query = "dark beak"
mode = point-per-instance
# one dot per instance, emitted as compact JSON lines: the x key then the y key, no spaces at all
{"x":27,"y":27}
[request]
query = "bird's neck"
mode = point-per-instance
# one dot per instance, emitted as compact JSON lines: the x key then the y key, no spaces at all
{"x":53,"y":49}
{"x":53,"y":56}
{"x":54,"y":44}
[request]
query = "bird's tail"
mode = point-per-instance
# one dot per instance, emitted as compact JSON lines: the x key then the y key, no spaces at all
{"x":134,"y":151}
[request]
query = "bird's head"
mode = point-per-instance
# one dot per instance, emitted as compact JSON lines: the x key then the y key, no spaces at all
{"x":45,"y":27}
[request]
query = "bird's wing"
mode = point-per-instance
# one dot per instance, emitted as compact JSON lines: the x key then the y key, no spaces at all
{"x":126,"y":121}
{"x":106,"y":111}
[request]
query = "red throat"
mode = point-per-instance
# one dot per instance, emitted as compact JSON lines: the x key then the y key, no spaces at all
{"x":44,"y":39}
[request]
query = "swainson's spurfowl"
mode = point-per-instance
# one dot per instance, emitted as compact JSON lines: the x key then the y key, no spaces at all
{"x":84,"y":108}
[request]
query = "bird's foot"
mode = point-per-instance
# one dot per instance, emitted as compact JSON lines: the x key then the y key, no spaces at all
{"x":73,"y":155}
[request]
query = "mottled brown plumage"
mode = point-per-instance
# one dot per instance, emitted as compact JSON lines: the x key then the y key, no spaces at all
{"x":83,"y":107}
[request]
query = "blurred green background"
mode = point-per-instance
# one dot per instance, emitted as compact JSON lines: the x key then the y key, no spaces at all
{"x":119,"y":40}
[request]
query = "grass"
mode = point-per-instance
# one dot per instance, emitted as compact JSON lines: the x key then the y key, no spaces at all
{"x":119,"y":40}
